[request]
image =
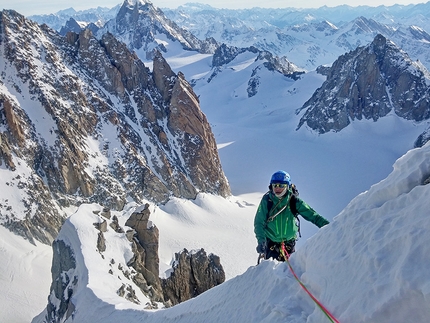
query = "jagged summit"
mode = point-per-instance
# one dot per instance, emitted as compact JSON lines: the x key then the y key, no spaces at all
{"x":83,"y":119}
{"x":369,"y":83}
{"x":138,"y":23}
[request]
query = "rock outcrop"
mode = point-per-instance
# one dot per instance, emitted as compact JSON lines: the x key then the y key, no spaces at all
{"x":145,"y":249}
{"x":193,"y":273}
{"x":423,"y":138}
{"x":63,"y":284}
{"x":265,"y":61}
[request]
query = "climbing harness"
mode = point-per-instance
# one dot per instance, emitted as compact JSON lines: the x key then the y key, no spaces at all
{"x":286,"y":256}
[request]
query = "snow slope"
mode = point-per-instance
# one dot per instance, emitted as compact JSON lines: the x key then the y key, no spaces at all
{"x":25,"y":277}
{"x":368,"y":265}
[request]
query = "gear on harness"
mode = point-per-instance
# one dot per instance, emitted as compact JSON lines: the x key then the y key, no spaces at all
{"x":274,"y":249}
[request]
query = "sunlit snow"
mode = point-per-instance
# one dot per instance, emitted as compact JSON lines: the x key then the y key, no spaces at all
{"x":368,"y":265}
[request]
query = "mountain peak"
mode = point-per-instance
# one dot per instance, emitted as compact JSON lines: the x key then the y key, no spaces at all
{"x":139,"y":23}
{"x":137,"y":2}
{"x":369,"y":82}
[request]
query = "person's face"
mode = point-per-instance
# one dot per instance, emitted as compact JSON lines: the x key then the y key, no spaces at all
{"x":278,"y":188}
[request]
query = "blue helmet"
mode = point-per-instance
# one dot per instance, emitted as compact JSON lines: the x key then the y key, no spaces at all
{"x":281,"y":177}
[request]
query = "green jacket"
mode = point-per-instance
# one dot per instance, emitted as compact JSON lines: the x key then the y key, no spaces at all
{"x":283,"y":227}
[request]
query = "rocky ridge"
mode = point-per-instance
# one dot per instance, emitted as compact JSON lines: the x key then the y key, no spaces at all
{"x":226,"y":54}
{"x":83,"y":120}
{"x":325,"y":34}
{"x":57,"y":21}
{"x":369,"y":82}
{"x":139,"y":23}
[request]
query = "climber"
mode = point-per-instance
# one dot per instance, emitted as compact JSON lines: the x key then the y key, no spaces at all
{"x":276,"y":220}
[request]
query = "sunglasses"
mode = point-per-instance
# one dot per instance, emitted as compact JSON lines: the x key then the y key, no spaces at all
{"x":279,"y":185}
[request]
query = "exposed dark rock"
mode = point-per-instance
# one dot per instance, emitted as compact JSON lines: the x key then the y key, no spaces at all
{"x":253,"y":83}
{"x":128,"y":293}
{"x":369,"y":83}
{"x":60,"y":306}
{"x":163,"y":76}
{"x":5,"y":153}
{"x":101,"y":242}
{"x":193,"y":273}
{"x":225,"y":54}
{"x":106,"y":213}
{"x":71,"y":25}
{"x":422,"y":138}
{"x":323,"y":70}
{"x":115,"y":225}
{"x":101,"y":226}
{"x":130,"y":235}
{"x":45,"y":224}
{"x":147,"y":237}
{"x":145,"y":249}
{"x":160,"y":144}
{"x":59,"y":20}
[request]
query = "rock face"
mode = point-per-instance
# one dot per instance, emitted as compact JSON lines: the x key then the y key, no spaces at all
{"x":83,"y":120}
{"x":63,"y":285}
{"x":193,"y":274}
{"x":71,"y":25}
{"x":369,"y":83}
{"x":145,"y":249}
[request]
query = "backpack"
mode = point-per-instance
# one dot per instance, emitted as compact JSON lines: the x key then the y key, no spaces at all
{"x":293,"y":208}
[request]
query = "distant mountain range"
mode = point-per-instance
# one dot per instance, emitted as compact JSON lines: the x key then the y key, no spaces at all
{"x":307,"y":37}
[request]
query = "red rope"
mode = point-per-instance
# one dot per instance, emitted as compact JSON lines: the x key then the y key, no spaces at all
{"x":286,"y":256}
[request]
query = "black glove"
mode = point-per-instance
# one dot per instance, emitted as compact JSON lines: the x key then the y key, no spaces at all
{"x":261,"y":248}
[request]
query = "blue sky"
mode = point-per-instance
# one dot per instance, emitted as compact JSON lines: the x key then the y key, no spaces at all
{"x":31,"y":7}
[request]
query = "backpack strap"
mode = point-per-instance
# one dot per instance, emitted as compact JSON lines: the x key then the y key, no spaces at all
{"x":293,"y":207}
{"x":293,"y":200}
